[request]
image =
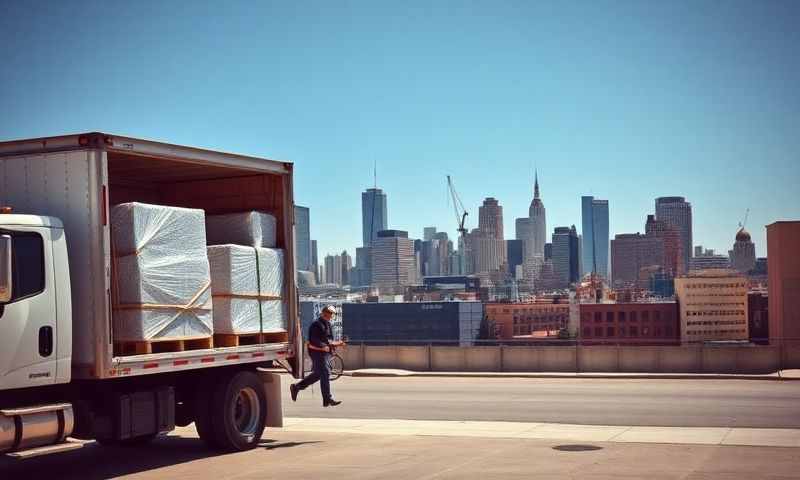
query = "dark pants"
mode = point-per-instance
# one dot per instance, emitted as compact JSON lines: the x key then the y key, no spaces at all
{"x":321,"y":373}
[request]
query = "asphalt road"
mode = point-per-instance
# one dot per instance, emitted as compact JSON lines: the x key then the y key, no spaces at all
{"x":648,"y":402}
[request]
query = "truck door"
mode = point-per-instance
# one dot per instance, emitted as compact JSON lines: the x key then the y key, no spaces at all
{"x":28,"y":320}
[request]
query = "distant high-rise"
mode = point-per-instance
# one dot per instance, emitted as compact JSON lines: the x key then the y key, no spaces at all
{"x":302,"y":239}
{"x":673,"y":246}
{"x":315,"y":260}
{"x":393,"y":259}
{"x":362,"y":272}
{"x":347,"y":267}
{"x":565,"y":256}
{"x":743,"y":255}
{"x":532,"y":230}
{"x":514,"y":255}
{"x":595,"y":246}
{"x":678,"y":212}
{"x":633,"y":253}
{"x":428,"y":233}
{"x":488,"y":243}
{"x":548,"y":251}
{"x":333,"y":269}
{"x":374,"y":216}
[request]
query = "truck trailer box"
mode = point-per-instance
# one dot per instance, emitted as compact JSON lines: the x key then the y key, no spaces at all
{"x":78,"y":178}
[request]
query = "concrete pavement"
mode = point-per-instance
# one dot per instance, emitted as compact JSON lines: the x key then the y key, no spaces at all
{"x":293,"y":454}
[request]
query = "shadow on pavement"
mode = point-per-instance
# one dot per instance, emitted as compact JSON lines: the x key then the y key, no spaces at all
{"x":95,"y":462}
{"x":268,"y":444}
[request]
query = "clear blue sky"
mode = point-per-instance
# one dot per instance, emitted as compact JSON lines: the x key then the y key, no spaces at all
{"x":623,"y":100}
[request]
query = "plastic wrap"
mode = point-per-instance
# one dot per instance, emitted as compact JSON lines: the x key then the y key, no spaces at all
{"x":247,"y":285}
{"x":253,"y":229}
{"x":161,"y":273}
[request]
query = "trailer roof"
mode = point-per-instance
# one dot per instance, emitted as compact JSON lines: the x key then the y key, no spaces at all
{"x":141,"y":147}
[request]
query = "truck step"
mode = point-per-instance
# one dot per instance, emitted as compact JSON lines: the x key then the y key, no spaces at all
{"x":70,"y":444}
{"x":162,"y":346}
{"x":234,"y":340}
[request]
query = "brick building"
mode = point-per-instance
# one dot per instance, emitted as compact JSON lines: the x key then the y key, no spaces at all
{"x":783,"y":258}
{"x":527,"y":319}
{"x":631,"y":323}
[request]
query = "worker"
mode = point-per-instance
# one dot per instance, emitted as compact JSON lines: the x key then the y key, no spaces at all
{"x":320,"y":346}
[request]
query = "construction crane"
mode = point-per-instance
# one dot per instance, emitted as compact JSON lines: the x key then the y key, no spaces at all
{"x":458,"y":206}
{"x":744,"y":222}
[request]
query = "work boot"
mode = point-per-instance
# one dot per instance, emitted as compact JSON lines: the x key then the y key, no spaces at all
{"x":293,"y":390}
{"x":330,"y":403}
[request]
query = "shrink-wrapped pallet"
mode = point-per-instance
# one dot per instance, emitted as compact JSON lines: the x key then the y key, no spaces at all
{"x":254,"y":229}
{"x":161,"y":273}
{"x":247,"y":287}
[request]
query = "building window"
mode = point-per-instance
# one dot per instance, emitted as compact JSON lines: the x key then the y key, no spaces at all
{"x":657,"y":315}
{"x":645,"y":331}
{"x":598,"y":317}
{"x":598,"y":331}
{"x":646,"y":316}
{"x":610,"y":331}
{"x":609,"y":316}
{"x":587,"y":332}
{"x":634,"y":331}
{"x":633,"y":316}
{"x":621,"y":316}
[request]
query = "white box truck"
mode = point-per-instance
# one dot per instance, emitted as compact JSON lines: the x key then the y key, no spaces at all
{"x":61,"y":372}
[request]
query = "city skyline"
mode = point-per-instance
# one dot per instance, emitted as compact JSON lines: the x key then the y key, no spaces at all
{"x":628,"y":110}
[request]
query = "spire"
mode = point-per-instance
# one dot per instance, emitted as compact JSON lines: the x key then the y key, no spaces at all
{"x":536,"y":184}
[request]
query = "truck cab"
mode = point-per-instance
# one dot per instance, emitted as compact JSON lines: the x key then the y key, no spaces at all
{"x":35,"y":305}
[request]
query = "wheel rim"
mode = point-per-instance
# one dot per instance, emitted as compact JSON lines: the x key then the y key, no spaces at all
{"x":246,"y":412}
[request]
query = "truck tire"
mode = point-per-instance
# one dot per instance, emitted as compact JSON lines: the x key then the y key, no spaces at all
{"x":238,"y":412}
{"x":202,"y":418}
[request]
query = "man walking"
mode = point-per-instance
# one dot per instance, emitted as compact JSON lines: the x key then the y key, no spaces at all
{"x":320,"y":343}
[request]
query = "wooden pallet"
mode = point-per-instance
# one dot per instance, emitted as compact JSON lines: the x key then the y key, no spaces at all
{"x":162,"y":346}
{"x":236,"y":340}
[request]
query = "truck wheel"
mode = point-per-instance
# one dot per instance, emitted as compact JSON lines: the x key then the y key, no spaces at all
{"x":202,"y":419}
{"x":238,"y":412}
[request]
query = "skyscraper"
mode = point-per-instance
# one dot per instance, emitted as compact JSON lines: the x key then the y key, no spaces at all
{"x":315,"y":260}
{"x":743,"y":255}
{"x":532,"y":230}
{"x":347,"y":267}
{"x":374,"y":216}
{"x":428,"y":233}
{"x":673,"y":246}
{"x":678,"y":212}
{"x":489,"y":247}
{"x":565,"y":256}
{"x":514,"y":255}
{"x":302,"y":238}
{"x":362,"y":273}
{"x":333,"y":269}
{"x":630,"y":254}
{"x":595,"y":247}
{"x":393,"y":259}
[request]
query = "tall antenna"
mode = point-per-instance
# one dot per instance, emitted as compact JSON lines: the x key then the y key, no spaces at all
{"x":375,"y":172}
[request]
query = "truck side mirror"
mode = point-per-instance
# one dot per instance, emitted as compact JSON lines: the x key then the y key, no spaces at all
{"x":5,"y":268}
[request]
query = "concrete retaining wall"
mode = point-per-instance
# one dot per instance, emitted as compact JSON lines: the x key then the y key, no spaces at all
{"x":596,"y":358}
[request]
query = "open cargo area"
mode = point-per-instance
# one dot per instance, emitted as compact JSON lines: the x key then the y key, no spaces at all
{"x":80,"y":179}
